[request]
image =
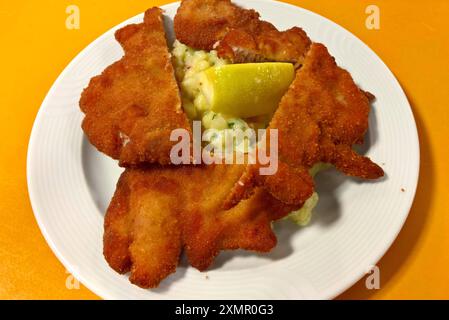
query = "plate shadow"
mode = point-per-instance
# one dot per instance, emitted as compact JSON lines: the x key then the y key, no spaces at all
{"x":411,"y":233}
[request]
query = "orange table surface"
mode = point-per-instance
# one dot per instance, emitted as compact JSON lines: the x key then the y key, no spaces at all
{"x":412,"y":40}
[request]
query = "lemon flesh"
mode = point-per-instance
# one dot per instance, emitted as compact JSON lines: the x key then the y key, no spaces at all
{"x":246,"y":90}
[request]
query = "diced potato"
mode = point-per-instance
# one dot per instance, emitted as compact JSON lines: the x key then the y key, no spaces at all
{"x":212,"y":120}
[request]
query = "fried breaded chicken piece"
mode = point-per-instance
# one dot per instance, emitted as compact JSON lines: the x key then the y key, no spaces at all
{"x":132,"y":107}
{"x":238,"y":34}
{"x":318,"y":120}
{"x":158,"y":211}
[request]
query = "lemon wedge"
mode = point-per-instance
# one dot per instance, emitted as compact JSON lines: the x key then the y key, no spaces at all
{"x":246,"y":90}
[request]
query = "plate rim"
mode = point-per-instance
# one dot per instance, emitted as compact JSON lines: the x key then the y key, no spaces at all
{"x":101,"y":292}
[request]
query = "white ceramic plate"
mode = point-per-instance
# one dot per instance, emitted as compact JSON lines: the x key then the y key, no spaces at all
{"x":70,"y":185}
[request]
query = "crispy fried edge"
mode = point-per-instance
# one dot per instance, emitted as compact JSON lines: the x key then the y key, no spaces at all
{"x":106,"y":138}
{"x":281,"y":185}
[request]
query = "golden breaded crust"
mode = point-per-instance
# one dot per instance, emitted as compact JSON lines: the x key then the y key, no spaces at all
{"x":157,"y":211}
{"x":240,"y":46}
{"x":201,"y":23}
{"x":318,"y":120}
{"x":133,"y":106}
{"x":238,"y":34}
{"x":141,"y":226}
